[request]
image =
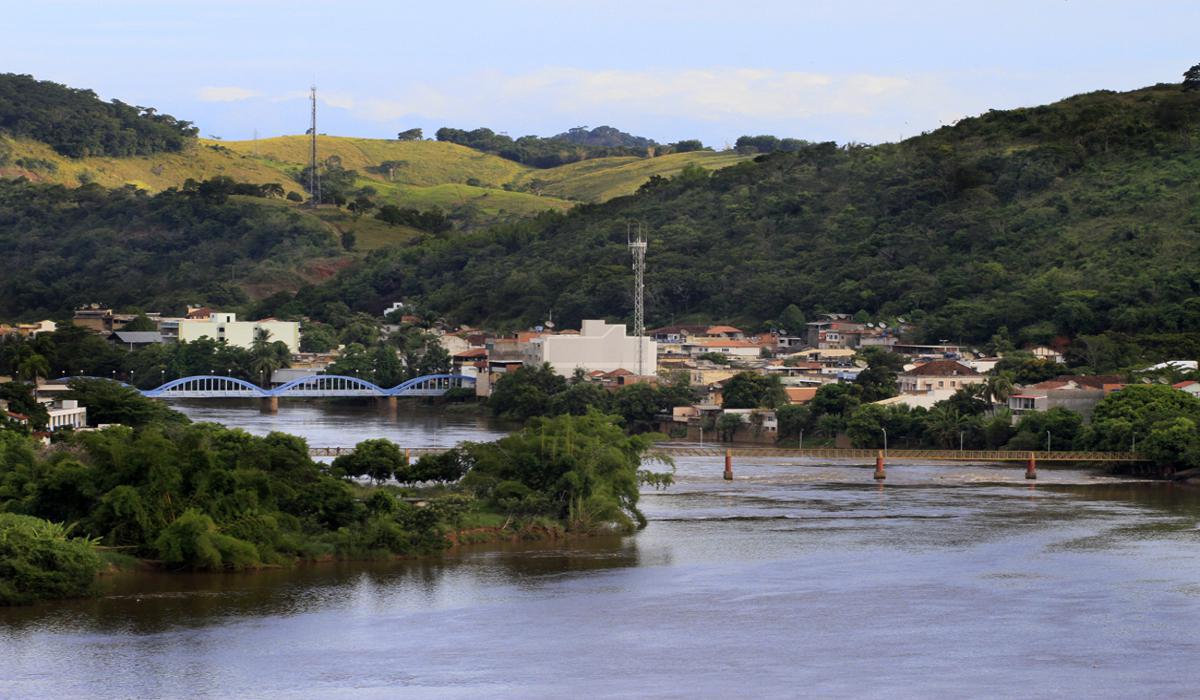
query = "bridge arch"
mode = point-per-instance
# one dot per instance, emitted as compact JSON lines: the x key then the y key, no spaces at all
{"x":431,"y":385}
{"x":328,"y":385}
{"x":207,"y":386}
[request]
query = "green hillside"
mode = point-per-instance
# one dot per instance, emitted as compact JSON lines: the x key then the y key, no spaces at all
{"x":1076,"y":220}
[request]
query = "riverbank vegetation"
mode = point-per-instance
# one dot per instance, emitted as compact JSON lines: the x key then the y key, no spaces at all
{"x":204,"y":497}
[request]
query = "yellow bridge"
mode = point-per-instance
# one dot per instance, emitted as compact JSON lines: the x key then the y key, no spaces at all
{"x":835,"y":453}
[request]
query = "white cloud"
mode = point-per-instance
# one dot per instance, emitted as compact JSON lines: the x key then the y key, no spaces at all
{"x":711,"y":94}
{"x":226,"y":94}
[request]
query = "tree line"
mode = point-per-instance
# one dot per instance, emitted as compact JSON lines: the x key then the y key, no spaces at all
{"x":77,"y":124}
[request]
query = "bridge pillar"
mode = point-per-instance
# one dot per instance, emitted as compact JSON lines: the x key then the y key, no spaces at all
{"x":1031,"y":467}
{"x":270,"y":404}
{"x":407,"y":456}
{"x":880,"y":474}
{"x":728,"y":464}
{"x":391,"y":403}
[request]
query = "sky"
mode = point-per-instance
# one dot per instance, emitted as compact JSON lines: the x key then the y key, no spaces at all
{"x":847,"y":71}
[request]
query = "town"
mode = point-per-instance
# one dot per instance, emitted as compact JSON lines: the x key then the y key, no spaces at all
{"x":834,"y":381}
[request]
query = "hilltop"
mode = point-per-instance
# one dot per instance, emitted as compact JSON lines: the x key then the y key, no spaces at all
{"x":1075,"y":221}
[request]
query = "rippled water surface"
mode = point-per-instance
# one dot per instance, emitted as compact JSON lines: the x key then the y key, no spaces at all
{"x":795,"y":579}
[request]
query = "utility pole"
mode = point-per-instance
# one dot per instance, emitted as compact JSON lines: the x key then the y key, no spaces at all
{"x":638,"y":248}
{"x":314,"y":178}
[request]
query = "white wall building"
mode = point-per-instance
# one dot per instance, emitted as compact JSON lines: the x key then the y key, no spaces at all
{"x":599,"y":346}
{"x":66,"y":414}
{"x":225,"y":326}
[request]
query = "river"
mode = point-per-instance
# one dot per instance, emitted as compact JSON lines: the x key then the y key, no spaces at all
{"x":795,"y":579}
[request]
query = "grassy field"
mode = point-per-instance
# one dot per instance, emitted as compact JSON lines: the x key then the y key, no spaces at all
{"x":474,"y":188}
{"x":602,"y":179}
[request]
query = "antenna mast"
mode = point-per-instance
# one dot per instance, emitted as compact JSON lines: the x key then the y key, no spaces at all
{"x":637,"y":246}
{"x":314,"y":178}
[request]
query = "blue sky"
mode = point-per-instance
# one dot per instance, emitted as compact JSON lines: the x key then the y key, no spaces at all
{"x":845,"y":71}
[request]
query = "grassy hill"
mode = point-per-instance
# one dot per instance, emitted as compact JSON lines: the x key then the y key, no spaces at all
{"x":1074,"y":222}
{"x":476,"y":188}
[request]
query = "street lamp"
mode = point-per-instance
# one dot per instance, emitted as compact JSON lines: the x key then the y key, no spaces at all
{"x":960,"y":442}
{"x":801,"y":438}
{"x":884,"y":440}
{"x":1047,"y":440}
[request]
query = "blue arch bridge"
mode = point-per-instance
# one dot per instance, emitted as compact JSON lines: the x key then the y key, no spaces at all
{"x":209,"y":386}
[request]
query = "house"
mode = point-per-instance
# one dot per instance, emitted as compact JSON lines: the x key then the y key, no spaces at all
{"x":1189,"y":387}
{"x":225,"y":326}
{"x":742,"y":349}
{"x":707,"y":374}
{"x":835,"y":331}
{"x":598,"y":346}
{"x":132,"y":340}
{"x":938,"y":374}
{"x":925,"y":400}
{"x":94,"y":318}
{"x":797,"y":395}
{"x":1048,"y":354}
{"x":726,"y":332}
{"x":1076,"y":393}
{"x":66,"y":413}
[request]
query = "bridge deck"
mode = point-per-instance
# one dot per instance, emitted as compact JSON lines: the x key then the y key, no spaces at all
{"x":834,"y":453}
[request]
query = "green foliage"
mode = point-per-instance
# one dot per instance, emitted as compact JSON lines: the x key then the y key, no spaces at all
{"x":141,"y":323}
{"x":193,"y":541}
{"x":1071,"y":219}
{"x":40,"y":561}
{"x":1063,"y":425}
{"x":1154,"y":416}
{"x":378,"y":459}
{"x":753,"y":390}
{"x":569,"y":147}
{"x":67,"y":248}
{"x":433,"y":221}
{"x":583,"y":470}
{"x":878,"y":380}
{"x":538,"y":391}
{"x":317,"y":337}
{"x":77,"y":124}
{"x":109,"y":402}
{"x":526,"y":392}
{"x":728,"y":425}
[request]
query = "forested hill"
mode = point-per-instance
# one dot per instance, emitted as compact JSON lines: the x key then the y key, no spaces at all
{"x":77,"y":124}
{"x":1071,"y":219}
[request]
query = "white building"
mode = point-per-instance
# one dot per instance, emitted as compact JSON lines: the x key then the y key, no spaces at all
{"x":225,"y":326}
{"x":598,"y":346}
{"x":66,"y":414}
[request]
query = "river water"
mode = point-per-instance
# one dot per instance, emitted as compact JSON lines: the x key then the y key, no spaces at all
{"x":795,"y":579}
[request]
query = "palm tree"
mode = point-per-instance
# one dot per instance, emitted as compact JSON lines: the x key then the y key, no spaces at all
{"x":32,"y":367}
{"x":945,"y":423}
{"x":997,"y":389}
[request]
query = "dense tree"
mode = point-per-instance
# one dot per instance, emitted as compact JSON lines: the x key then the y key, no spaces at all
{"x":582,"y":469}
{"x":377,"y":459}
{"x":752,"y":390}
{"x":317,"y":337}
{"x":1191,"y":78}
{"x":76,"y":123}
{"x":39,"y":560}
{"x":409,"y":135}
{"x":124,"y":247}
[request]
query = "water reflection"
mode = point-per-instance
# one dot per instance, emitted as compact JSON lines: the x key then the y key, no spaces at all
{"x":797,"y":578}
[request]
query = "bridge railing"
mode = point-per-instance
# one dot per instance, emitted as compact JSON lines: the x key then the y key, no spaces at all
{"x":312,"y":386}
{"x":857,"y":454}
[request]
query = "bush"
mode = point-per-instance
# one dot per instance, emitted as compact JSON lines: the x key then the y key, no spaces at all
{"x":193,"y":542}
{"x":39,"y":561}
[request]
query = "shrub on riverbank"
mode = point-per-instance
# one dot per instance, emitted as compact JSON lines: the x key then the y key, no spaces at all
{"x":39,"y":560}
